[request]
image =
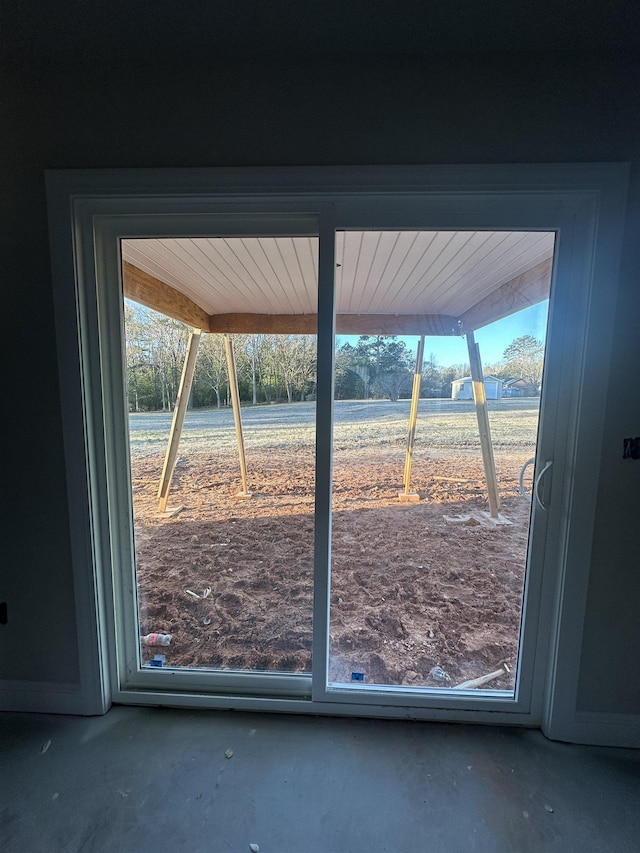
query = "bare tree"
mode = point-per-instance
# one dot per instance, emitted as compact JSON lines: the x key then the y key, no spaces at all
{"x":211,"y":370}
{"x":156,"y":346}
{"x":524,"y":359}
{"x":295,"y":364}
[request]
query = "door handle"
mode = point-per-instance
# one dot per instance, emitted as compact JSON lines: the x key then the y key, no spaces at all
{"x":536,"y":487}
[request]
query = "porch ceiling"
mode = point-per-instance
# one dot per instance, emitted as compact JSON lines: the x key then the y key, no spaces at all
{"x":432,"y":282}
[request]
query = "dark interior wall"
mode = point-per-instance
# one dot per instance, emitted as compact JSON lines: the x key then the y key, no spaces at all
{"x":455,"y":109}
{"x":611,"y":640}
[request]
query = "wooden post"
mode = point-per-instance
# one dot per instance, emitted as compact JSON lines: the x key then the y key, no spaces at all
{"x":237,"y":417}
{"x":413,"y":419}
{"x":179,"y":412}
{"x":480,"y":398}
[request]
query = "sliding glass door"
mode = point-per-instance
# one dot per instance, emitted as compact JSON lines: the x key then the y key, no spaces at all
{"x":439,"y":359}
{"x":217,"y":355}
{"x":351,"y":418}
{"x":335,"y":432}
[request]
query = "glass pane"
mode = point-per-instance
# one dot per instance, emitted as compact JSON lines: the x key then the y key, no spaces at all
{"x":428,"y":574}
{"x":226,"y":567}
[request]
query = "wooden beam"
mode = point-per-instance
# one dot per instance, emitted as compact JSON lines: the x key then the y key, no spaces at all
{"x":263,"y":324}
{"x":413,"y":419}
{"x":179,"y":412}
{"x":237,"y":416}
{"x":397,"y":324}
{"x":526,"y":289}
{"x":346,"y":324}
{"x":480,"y":398}
{"x":150,"y":291}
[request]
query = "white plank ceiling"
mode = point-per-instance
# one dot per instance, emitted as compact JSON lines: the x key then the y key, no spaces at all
{"x":377,"y":272}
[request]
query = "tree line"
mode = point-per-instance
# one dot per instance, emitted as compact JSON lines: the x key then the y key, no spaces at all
{"x":270,"y":368}
{"x":282,"y":368}
{"x":383,"y":367}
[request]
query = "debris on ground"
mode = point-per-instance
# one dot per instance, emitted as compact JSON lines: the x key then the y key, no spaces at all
{"x":400,"y":614}
{"x":438,"y":674}
{"x":482,"y":679}
{"x":205,"y":594}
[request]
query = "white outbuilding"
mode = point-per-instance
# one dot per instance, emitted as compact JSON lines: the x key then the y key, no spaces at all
{"x":462,"y":389}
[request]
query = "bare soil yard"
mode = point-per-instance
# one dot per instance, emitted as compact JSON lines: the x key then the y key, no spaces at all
{"x":410,"y":590}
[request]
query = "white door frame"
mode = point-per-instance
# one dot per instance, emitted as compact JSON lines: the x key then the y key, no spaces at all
{"x":583,"y":203}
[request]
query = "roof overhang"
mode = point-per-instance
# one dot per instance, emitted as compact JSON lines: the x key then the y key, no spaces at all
{"x":387,"y":282}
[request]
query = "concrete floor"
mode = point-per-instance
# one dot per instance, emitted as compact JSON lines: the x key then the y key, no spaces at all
{"x":139,"y":780}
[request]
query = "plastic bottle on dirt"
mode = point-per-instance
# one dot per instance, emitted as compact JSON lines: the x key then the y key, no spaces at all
{"x":156,"y":639}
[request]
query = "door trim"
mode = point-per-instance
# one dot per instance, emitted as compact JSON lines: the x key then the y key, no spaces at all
{"x":588,"y":198}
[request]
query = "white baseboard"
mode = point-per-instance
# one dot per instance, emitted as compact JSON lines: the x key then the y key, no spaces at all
{"x":588,"y":727}
{"x":43,"y":697}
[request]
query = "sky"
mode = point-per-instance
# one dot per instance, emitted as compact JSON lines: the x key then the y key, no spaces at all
{"x":493,"y":339}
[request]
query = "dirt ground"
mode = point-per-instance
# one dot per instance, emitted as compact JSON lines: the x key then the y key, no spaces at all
{"x":410,"y":590}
